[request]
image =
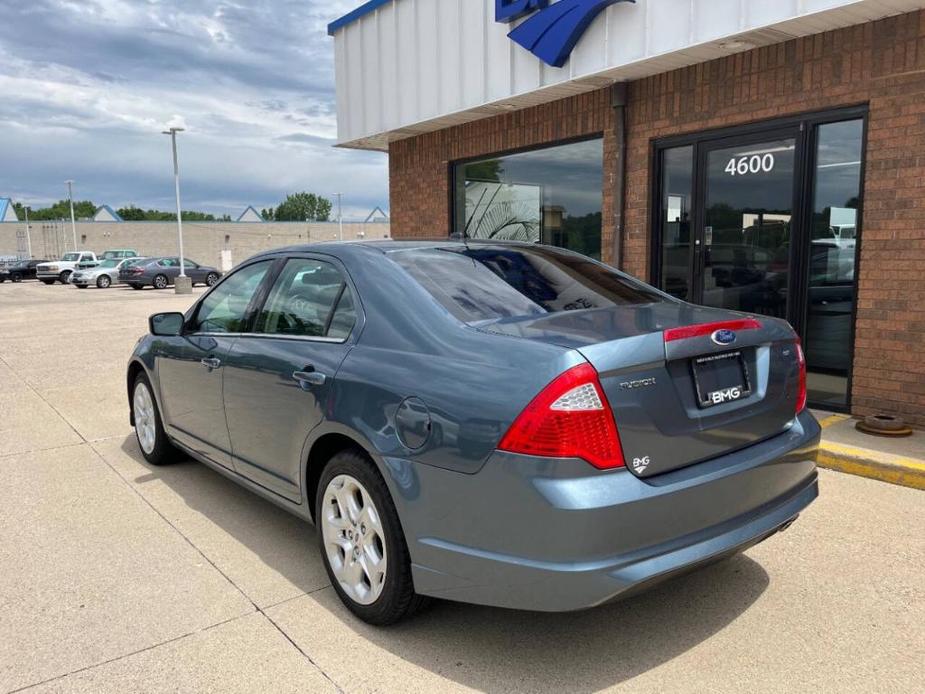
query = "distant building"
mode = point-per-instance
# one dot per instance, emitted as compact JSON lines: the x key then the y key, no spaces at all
{"x":250,"y":215}
{"x":106,"y":214}
{"x":377,"y":215}
{"x":7,"y":212}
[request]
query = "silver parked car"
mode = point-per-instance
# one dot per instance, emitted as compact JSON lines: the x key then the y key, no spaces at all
{"x":103,"y":275}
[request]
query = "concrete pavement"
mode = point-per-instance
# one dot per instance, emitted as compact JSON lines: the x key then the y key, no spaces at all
{"x":115,"y":576}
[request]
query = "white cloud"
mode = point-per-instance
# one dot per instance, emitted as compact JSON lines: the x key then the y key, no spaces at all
{"x":252,"y":83}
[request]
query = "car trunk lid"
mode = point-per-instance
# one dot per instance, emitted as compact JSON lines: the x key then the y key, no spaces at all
{"x":678,"y":393}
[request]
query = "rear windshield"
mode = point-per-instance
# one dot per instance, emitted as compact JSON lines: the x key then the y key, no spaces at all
{"x":480,"y":282}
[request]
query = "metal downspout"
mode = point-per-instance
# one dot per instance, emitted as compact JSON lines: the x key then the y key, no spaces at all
{"x":618,"y":178}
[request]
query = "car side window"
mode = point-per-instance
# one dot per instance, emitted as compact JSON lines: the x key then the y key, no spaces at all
{"x":307,"y":300}
{"x":224,"y":309}
{"x":344,"y":316}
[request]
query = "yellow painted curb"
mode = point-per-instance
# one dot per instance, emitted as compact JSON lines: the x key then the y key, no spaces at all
{"x":894,"y":469}
{"x":833,"y":419}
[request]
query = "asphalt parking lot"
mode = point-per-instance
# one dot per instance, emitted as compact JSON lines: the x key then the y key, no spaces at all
{"x":115,"y":576}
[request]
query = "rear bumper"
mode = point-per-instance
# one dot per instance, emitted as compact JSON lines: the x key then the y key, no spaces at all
{"x":554,"y":535}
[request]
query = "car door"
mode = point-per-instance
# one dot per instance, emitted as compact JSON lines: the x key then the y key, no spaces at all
{"x":190,"y":366}
{"x":193,"y":270}
{"x":279,"y":379}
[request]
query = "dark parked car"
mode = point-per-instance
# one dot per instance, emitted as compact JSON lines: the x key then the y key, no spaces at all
{"x":161,"y":272}
{"x":497,"y":423}
{"x":19,"y":271}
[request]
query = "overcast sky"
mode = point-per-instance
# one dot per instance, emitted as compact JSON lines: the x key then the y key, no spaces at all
{"x":86,"y":86}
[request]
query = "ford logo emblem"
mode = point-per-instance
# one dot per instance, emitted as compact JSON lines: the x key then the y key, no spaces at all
{"x":723,"y":337}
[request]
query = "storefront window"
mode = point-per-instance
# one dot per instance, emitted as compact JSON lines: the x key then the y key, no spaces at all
{"x":833,"y":249}
{"x":552,"y":195}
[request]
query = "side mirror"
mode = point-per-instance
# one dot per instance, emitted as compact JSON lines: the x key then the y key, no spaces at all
{"x":166,"y":324}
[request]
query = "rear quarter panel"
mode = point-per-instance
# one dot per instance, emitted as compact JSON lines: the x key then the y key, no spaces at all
{"x":468,"y":384}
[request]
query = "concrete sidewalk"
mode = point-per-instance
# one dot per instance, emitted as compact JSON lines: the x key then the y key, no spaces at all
{"x":895,"y":460}
{"x":116,"y":576}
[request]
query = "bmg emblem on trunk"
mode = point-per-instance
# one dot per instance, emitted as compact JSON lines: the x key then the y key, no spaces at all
{"x":723,"y":337}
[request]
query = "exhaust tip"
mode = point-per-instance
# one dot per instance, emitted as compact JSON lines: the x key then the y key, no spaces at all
{"x":788,"y":523}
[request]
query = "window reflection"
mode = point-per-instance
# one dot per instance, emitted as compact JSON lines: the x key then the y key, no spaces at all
{"x":551,"y":195}
{"x":677,"y":186}
{"x":834,"y":236}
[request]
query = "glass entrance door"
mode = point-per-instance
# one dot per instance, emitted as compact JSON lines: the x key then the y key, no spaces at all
{"x":745,"y":238}
{"x":767,"y":220}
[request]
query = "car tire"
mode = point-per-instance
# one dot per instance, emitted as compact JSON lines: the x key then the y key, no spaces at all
{"x":211,"y":279}
{"x":81,"y":286}
{"x":149,"y":429}
{"x":160,"y":282}
{"x":48,"y":282}
{"x":104,"y":281}
{"x":64,"y":277}
{"x":392,"y":598}
{"x":15,"y":278}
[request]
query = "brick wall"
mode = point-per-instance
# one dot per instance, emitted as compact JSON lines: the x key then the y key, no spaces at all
{"x":881,"y":64}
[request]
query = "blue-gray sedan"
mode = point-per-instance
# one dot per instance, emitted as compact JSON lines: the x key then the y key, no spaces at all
{"x":497,"y":423}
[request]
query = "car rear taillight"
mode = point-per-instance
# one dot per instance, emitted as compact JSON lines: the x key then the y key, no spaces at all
{"x":801,"y":390}
{"x":570,"y":418}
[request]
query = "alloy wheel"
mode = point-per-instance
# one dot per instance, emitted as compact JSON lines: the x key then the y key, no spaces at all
{"x":144,"y":418}
{"x":211,"y":279}
{"x":103,"y":282}
{"x":160,"y":282}
{"x":354,"y":539}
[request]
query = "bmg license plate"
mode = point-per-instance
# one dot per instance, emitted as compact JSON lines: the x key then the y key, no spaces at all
{"x":720,"y":378}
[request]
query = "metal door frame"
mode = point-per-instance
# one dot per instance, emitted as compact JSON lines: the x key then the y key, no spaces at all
{"x":803,"y":128}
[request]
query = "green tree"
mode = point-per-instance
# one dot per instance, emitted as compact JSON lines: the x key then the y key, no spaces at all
{"x":268,"y":214}
{"x":62,"y":210}
{"x":131,"y":213}
{"x":303,"y":207}
{"x":136,"y":214}
{"x":488,"y":170}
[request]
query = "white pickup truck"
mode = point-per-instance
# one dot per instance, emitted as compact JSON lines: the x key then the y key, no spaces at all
{"x":61,"y":270}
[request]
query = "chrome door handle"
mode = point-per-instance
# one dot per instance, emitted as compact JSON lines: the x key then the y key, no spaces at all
{"x":309,"y":378}
{"x":211,"y":362}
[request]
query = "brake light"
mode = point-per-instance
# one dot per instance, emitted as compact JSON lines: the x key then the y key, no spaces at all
{"x":570,"y":418}
{"x":686,"y":331}
{"x":801,"y":390}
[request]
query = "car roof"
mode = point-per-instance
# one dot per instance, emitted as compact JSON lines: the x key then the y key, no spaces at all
{"x":386,"y":246}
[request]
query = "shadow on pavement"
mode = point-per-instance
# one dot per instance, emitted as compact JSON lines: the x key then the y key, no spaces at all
{"x":491,"y":649}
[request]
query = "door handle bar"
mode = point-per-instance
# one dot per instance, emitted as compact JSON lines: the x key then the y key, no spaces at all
{"x":211,"y":362}
{"x":309,"y":378}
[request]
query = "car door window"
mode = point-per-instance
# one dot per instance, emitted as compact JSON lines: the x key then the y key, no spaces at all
{"x":224,"y":309}
{"x":307,"y":300}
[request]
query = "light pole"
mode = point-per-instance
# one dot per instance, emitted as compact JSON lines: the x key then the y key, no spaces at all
{"x":181,"y":285}
{"x":340,"y":218}
{"x":70,"y":199}
{"x":28,"y":235}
